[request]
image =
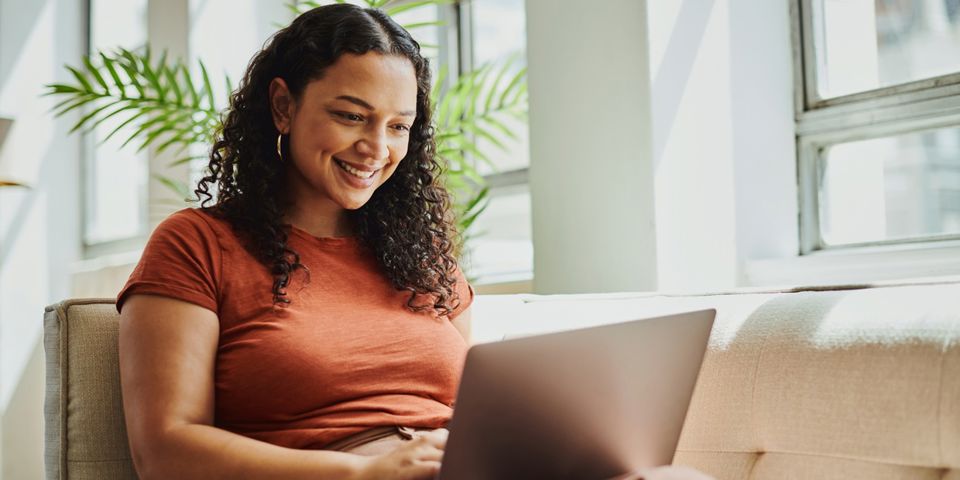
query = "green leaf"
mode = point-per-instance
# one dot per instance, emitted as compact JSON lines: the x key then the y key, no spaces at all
{"x":126,"y":122}
{"x":519,"y":97}
{"x":481,"y":132}
{"x":168,"y":126}
{"x":519,"y":77}
{"x":171,"y":76}
{"x":438,"y":85}
{"x":81,"y":79}
{"x":153,"y":81}
{"x":471,"y":148}
{"x":183,"y":137}
{"x":496,"y":83}
{"x":207,"y":88}
{"x":481,"y":79}
{"x":412,"y":5}
{"x":490,"y":120}
{"x":81,"y":100}
{"x":477,"y":199}
{"x":63,"y":103}
{"x":123,"y":108}
{"x":470,"y":217}
{"x":187,"y":159}
{"x":96,"y":74}
{"x":83,"y":120}
{"x":294,"y":8}
{"x":414,"y":26}
{"x":148,"y":124}
{"x":156,"y":73}
{"x":59,"y":88}
{"x":108,"y":63}
{"x":188,"y":79}
{"x":443,"y":110}
{"x":177,"y":187}
{"x":131,"y":67}
{"x":229,"y":86}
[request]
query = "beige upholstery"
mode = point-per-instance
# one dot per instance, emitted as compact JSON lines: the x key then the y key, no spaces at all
{"x":85,"y":435}
{"x":852,"y":384}
{"x":846,"y":384}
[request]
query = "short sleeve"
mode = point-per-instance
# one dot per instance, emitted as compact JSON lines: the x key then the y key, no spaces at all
{"x":181,"y":260}
{"x":464,"y":291}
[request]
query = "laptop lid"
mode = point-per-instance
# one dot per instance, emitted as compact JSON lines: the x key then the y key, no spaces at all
{"x":583,"y":404}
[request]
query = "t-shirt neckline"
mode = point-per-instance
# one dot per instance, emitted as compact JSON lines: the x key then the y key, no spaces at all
{"x":348,"y":240}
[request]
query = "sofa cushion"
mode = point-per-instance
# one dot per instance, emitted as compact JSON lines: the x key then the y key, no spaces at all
{"x":833,"y":384}
{"x":85,"y":434}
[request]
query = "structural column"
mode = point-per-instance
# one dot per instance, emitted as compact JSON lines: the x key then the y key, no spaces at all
{"x":591,"y":169}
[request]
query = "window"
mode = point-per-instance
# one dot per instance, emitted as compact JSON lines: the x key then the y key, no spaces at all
{"x":878,"y":121}
{"x":494,"y":31}
{"x":116,"y":204}
{"x":115,"y":179}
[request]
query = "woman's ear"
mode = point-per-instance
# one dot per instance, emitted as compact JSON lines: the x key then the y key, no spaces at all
{"x":281,"y":105}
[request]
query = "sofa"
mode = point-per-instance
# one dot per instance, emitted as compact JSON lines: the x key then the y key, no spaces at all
{"x":849,"y":382}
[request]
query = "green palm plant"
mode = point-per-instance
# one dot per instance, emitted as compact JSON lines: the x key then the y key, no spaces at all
{"x":157,"y":102}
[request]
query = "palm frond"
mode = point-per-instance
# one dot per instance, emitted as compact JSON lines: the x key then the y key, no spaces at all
{"x":157,"y":99}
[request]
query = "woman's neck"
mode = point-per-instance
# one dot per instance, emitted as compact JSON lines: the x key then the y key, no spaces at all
{"x":325,"y":221}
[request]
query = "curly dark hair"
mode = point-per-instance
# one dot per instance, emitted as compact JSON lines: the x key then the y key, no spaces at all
{"x":407,"y":223}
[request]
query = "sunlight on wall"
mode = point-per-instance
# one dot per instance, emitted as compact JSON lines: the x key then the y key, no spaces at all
{"x":22,"y":270}
{"x":661,"y":31}
{"x":19,"y":97}
{"x":692,"y":136}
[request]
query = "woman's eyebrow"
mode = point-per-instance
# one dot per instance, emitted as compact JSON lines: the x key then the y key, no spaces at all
{"x":361,"y":103}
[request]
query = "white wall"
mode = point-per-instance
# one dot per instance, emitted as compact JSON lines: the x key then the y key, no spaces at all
{"x":722,"y":89}
{"x":39,"y":228}
{"x":687,"y":101}
{"x":591,"y":174}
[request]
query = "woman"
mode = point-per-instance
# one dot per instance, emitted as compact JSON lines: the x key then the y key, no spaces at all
{"x":312,"y":321}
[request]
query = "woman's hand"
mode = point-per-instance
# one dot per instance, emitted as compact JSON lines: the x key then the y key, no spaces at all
{"x":414,"y":460}
{"x":665,"y":473}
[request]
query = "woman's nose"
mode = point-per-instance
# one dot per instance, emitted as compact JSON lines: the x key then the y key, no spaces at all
{"x":374,"y":145}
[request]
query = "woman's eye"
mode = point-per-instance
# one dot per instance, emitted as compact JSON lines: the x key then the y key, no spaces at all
{"x":353,"y":117}
{"x":402,"y":128}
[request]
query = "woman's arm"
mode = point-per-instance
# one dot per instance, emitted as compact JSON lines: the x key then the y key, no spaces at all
{"x":462,"y":323}
{"x":167,"y":356}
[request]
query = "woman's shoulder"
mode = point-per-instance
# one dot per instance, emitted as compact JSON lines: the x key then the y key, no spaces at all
{"x":197,"y":220}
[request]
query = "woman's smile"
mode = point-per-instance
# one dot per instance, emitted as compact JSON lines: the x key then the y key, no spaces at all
{"x":356,"y":176}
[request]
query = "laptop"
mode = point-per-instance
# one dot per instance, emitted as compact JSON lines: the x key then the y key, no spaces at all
{"x":585,"y":404}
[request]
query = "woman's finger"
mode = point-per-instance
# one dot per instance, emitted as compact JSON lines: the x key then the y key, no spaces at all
{"x":419,"y":470}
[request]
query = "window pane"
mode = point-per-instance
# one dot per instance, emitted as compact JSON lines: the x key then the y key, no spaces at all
{"x":428,"y":36}
{"x":891,"y":188}
{"x":499,"y":32}
{"x":502,"y":249}
{"x":864,"y":44}
{"x":115,"y":178}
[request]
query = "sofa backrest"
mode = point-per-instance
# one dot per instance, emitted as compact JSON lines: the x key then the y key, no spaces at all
{"x":84,"y":432}
{"x":853,"y":383}
{"x":837,"y":384}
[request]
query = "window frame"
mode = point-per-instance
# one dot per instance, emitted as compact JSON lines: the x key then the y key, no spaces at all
{"x":87,"y":157}
{"x":500,"y":183}
{"x":915,"y":106}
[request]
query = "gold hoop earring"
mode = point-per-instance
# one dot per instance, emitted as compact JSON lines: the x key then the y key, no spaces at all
{"x":279,"y":149}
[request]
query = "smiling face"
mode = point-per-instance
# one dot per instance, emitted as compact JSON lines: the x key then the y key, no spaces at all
{"x":348,"y":130}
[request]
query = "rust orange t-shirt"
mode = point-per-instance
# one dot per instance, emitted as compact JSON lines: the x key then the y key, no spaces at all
{"x":346,"y":355}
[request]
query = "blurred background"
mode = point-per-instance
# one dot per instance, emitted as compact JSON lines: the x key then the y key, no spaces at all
{"x":689,"y":145}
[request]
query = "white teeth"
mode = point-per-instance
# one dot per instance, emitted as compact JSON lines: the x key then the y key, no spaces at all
{"x":354,"y":171}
